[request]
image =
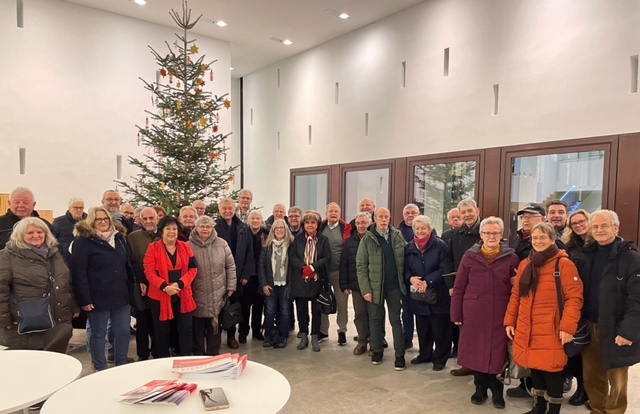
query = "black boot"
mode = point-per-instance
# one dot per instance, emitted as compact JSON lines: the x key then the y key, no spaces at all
{"x":579,"y":397}
{"x":497,"y":392}
{"x":539,"y":402}
{"x":480,"y":396}
{"x":554,"y":404}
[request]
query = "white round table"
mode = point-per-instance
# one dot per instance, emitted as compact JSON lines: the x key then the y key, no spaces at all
{"x":29,"y":377}
{"x":259,"y":389}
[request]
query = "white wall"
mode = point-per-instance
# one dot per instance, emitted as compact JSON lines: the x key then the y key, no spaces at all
{"x":563,"y":67}
{"x":71,"y":96}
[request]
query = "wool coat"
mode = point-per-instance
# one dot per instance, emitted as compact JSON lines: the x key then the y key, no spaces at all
{"x":216,"y":275}
{"x":27,"y":273}
{"x":537,"y":319}
{"x":299,"y":287}
{"x":429,"y":265}
{"x":62,"y":229}
{"x":243,"y":257}
{"x":348,"y":273}
{"x":480,"y":297}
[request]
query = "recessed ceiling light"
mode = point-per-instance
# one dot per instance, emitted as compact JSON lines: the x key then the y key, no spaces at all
{"x":231,"y":68}
{"x":221,"y":23}
{"x":336,"y":13}
{"x":287,"y":42}
{"x":344,"y":16}
{"x":140,"y":2}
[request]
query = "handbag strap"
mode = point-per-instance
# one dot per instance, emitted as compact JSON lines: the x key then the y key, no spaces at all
{"x":50,"y":281}
{"x":556,"y":276}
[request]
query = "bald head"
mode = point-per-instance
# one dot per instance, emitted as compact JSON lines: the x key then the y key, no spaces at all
{"x":383,"y":218}
{"x":367,"y":204}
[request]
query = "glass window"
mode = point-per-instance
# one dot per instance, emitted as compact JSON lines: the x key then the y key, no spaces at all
{"x":437,"y":188}
{"x":365,"y":183}
{"x":575,"y":178}
{"x":311,"y":192}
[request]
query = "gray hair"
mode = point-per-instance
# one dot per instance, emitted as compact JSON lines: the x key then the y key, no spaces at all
{"x":492,"y":220}
{"x":467,"y":202}
{"x":279,"y":205}
{"x":288,"y":237}
{"x":74,"y":200}
{"x":255,"y":212}
{"x":424,"y":220}
{"x":185,"y":208}
{"x":451,"y":211}
{"x":408,"y":206}
{"x":295,"y":209}
{"x":226,"y":200}
{"x":363,"y":214}
{"x":246,"y":190}
{"x":20,"y":228}
{"x":204,"y":220}
{"x":21,"y":190}
{"x":546,"y":228}
{"x":110,"y":191}
{"x":613,"y":216}
{"x":333,"y":203}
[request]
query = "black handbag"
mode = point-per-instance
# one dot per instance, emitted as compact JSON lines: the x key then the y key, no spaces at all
{"x":231,"y":314}
{"x":581,"y":338}
{"x":429,"y":297}
{"x":35,"y":314}
{"x":327,"y":300}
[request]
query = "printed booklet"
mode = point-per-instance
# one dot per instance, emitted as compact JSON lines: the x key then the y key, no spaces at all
{"x":159,"y":392}
{"x":225,"y":366}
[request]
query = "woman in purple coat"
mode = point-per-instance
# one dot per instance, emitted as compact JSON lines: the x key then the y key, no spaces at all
{"x":480,"y":297}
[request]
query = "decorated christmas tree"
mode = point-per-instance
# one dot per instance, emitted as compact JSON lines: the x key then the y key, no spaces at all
{"x":186,"y":159}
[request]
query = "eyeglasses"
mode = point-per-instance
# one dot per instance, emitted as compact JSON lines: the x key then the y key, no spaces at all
{"x":279,"y":229}
{"x":102,"y":220}
{"x":603,"y":227}
{"x":205,"y":227}
{"x":579,"y":223}
{"x":491,"y":234}
{"x":77,"y":208}
{"x":112,"y":200}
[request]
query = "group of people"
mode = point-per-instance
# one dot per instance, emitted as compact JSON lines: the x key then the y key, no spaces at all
{"x":467,"y":293}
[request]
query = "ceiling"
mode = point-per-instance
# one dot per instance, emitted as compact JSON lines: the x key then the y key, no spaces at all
{"x":251,"y":23}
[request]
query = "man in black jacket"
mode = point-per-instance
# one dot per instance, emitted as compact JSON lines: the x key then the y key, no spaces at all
{"x":455,"y":221}
{"x":63,"y":225}
{"x":21,"y":204}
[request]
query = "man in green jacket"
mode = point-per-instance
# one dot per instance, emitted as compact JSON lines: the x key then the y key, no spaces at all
{"x":380,"y":268}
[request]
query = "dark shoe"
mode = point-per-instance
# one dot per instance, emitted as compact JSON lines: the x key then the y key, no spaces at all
{"x":304,"y":341}
{"x":438,"y":367}
{"x":385,"y":344}
{"x":267,"y":343}
{"x":376,"y":359}
{"x":478,"y":399}
{"x":498,"y":401}
{"x":342,"y":339}
{"x":315,"y":343}
{"x":359,"y":349}
{"x":461,"y":372}
{"x":258,"y":336}
{"x":568,"y":383}
{"x":242,"y":339}
{"x":322,"y":337}
{"x":111,"y":358}
{"x":232,"y":343}
{"x":517,"y":392}
{"x":282,"y":343}
{"x":420,"y":360}
{"x":453,"y":355}
{"x":355,"y":338}
{"x":399,"y":365}
{"x":408,"y":345}
{"x":579,"y":397}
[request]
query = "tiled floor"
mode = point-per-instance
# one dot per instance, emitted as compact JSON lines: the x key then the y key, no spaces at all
{"x":336,"y":381}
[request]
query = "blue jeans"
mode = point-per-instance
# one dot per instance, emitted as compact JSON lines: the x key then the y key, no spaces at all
{"x":277,"y":303}
{"x":109,"y":337}
{"x":120,"y":320}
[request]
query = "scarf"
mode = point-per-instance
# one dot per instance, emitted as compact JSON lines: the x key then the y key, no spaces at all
{"x":107,"y":236}
{"x":529,"y":278}
{"x":421,"y":244}
{"x":310,"y":254}
{"x":490,"y":255}
{"x":526,"y":235}
{"x":41,"y":251}
{"x":279,"y":263}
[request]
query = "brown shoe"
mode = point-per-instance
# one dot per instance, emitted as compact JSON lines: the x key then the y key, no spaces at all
{"x":233,"y":344}
{"x":461,"y":372}
{"x":370,"y":351}
{"x":359,"y":349}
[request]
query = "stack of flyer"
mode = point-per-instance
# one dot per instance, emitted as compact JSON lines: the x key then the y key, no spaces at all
{"x":225,"y":366}
{"x":159,"y":392}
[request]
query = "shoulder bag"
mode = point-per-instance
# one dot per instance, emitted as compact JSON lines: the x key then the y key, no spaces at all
{"x":35,"y":314}
{"x":581,"y":338}
{"x":327,"y":300}
{"x":231,"y":314}
{"x":429,"y":297}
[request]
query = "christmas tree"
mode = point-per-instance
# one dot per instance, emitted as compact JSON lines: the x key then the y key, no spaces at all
{"x":186,"y":158}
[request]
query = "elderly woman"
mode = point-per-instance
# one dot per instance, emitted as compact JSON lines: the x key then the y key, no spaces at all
{"x":480,"y":297}
{"x":309,"y":257}
{"x":101,"y":272}
{"x":26,"y":265}
{"x":273,"y":272}
{"x":533,"y":320}
{"x":216,"y":280}
{"x":170,"y":268}
{"x":187,"y":218}
{"x":423,"y":270}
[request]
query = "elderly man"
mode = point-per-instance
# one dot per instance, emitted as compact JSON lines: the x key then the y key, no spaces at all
{"x":21,"y":205}
{"x":200,"y":206}
{"x":462,"y":240}
{"x":112,"y":201}
{"x":238,"y":235}
{"x":365,"y":205}
{"x":557,"y":215}
{"x":380,"y":268}
{"x":295,"y":215}
{"x":530,"y":215}
{"x":63,"y":225}
{"x":337,"y":231}
{"x":610,"y":271}
{"x":279,"y":213}
{"x":129,"y":214}
{"x":139,"y":241}
{"x":187,"y":219}
{"x":245,"y":198}
{"x":455,"y":221}
{"x":349,"y":281}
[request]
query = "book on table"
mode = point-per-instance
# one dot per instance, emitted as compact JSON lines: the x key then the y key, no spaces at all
{"x":225,"y":366}
{"x":167,"y":392}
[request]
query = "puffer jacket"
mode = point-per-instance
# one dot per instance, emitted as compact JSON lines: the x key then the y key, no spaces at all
{"x":429,"y":265}
{"x":216,"y":275}
{"x":299,"y":287}
{"x":537,"y":318}
{"x":369,"y":263}
{"x":348,"y":272}
{"x":27,"y":273}
{"x":62,"y":229}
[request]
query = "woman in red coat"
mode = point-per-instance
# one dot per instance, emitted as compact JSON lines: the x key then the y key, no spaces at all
{"x":480,"y":298}
{"x":533,"y":319}
{"x":170,"y":268}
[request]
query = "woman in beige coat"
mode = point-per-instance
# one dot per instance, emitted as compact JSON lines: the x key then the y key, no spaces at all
{"x":216,"y":279}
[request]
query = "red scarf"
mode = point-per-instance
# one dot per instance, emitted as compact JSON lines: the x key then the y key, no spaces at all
{"x":421,"y":244}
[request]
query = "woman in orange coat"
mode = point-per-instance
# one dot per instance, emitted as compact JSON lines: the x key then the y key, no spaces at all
{"x":170,"y":268}
{"x":533,"y":321}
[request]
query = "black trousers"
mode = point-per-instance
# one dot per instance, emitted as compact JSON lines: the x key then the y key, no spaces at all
{"x":235,"y":298}
{"x":455,"y":336}
{"x":574,"y":369}
{"x":145,"y":336}
{"x":252,"y":307}
{"x":205,"y":341}
{"x":434,"y":329}
{"x":552,"y":382}
{"x":302,"y":307}
{"x":184,"y":323}
{"x":484,"y":381}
